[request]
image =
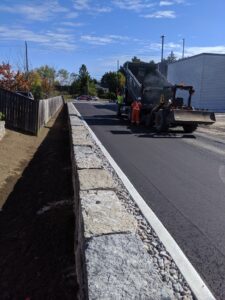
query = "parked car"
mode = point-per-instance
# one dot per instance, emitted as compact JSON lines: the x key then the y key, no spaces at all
{"x":84,"y":97}
{"x":25,"y":94}
{"x":94,"y":98}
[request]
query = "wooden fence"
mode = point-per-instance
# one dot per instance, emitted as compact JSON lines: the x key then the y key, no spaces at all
{"x":25,"y":114}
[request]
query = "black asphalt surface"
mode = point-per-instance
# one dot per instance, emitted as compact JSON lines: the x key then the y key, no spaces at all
{"x":182,"y":182}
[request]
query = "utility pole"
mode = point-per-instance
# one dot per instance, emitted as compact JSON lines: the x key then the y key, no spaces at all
{"x":162,"y":37}
{"x":118,"y":66}
{"x":183,"y":48}
{"x":26,"y":60}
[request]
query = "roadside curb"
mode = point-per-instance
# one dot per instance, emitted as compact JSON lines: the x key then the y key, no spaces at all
{"x":198,"y":287}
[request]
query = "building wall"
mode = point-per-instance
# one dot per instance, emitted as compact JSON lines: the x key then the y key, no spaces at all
{"x":213,"y":82}
{"x":206,"y":72}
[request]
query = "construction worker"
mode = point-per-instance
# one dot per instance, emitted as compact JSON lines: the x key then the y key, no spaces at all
{"x":119,"y":103}
{"x":136,"y":111}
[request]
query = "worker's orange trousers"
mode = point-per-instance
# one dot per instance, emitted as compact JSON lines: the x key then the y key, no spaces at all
{"x":135,"y":117}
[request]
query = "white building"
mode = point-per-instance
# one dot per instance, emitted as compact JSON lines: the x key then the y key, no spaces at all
{"x":206,"y":73}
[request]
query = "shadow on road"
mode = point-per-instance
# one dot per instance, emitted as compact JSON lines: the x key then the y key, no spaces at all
{"x":104,"y":120}
{"x":111,"y":119}
{"x":143,"y":132}
{"x":167,"y":136}
{"x":110,"y":106}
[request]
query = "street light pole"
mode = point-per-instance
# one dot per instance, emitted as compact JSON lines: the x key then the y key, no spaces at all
{"x":183,"y":48}
{"x":118,"y":64}
{"x":162,"y":37}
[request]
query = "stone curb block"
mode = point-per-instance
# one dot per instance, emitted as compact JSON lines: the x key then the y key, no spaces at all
{"x":86,"y":160}
{"x":103,"y":214}
{"x":92,"y":179}
{"x":119,"y":268}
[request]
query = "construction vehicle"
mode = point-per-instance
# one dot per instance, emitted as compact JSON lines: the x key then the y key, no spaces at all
{"x":163,"y":104}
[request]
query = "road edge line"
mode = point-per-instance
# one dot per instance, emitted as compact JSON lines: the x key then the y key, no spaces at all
{"x":196,"y":283}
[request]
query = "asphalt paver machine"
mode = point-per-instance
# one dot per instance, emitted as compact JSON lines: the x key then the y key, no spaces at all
{"x":163,"y":105}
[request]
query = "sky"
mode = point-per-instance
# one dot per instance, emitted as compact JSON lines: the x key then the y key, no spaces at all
{"x":99,"y":33}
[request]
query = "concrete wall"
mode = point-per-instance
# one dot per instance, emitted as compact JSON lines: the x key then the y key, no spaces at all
{"x":206,"y":72}
{"x":2,"y":129}
{"x":47,"y":109}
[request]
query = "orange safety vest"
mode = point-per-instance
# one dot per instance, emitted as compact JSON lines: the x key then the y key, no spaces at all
{"x":136,"y":105}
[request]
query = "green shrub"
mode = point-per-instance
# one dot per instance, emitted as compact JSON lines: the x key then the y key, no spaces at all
{"x":111,"y":96}
{"x":2,"y":116}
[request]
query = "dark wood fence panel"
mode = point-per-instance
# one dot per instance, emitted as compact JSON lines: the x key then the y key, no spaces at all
{"x":20,"y":112}
{"x":25,"y":114}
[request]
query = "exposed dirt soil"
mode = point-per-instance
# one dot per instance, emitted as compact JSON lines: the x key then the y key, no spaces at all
{"x":16,"y":150}
{"x":37,"y":220}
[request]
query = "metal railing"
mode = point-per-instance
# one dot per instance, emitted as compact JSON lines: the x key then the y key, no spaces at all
{"x":133,"y":85}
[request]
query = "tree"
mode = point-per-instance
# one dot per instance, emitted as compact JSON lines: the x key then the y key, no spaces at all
{"x":114,"y":81}
{"x":47,"y":75}
{"x":135,"y":60}
{"x":36,"y":85}
{"x":121,"y":80}
{"x":84,"y":79}
{"x":6,"y":76}
{"x":92,"y":88}
{"x":171,"y":58}
{"x":20,"y":82}
{"x":73,"y":77}
{"x":12,"y":81}
{"x":82,"y":83}
{"x":75,"y":87}
{"x":63,"y":76}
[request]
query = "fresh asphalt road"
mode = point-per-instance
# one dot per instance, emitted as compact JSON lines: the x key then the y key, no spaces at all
{"x":181,"y":177}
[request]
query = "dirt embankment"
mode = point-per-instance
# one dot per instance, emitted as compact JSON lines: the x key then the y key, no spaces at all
{"x":37,"y":221}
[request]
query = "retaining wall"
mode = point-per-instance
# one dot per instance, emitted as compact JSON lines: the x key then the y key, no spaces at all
{"x":111,"y":259}
{"x":2,"y":129}
{"x":47,"y":108}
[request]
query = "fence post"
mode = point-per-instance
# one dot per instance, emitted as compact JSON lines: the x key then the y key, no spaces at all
{"x":37,"y":118}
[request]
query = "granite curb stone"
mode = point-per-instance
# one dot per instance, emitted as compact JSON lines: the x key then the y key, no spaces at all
{"x":103,"y":214}
{"x":87,"y":160}
{"x":118,"y":267}
{"x":92,"y":179}
{"x":78,"y":141}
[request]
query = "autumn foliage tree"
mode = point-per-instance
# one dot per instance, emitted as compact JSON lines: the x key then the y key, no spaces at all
{"x":11,"y":80}
{"x":35,"y":83}
{"x":21,"y":83}
{"x":6,"y":77}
